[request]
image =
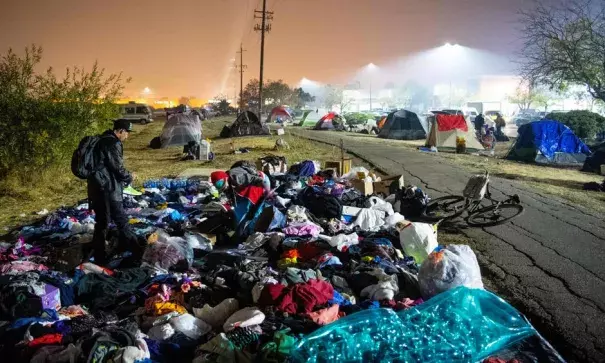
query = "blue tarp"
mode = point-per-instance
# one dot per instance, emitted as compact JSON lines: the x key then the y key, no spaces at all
{"x":548,"y":138}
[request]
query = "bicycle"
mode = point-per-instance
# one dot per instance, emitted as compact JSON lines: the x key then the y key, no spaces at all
{"x":478,"y":215}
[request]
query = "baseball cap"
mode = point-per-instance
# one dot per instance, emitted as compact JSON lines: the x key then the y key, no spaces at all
{"x":122,"y":124}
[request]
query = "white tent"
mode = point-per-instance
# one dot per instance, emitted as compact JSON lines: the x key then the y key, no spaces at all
{"x":180,"y":129}
{"x":444,"y":129}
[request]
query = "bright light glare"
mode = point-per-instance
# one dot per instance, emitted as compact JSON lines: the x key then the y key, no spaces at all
{"x":372,"y":66}
{"x":146,"y":90}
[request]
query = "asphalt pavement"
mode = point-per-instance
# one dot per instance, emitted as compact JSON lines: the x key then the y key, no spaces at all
{"x":549,"y":262}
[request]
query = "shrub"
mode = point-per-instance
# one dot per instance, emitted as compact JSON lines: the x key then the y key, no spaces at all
{"x":358,"y":118}
{"x":584,"y":124}
{"x":43,"y":117}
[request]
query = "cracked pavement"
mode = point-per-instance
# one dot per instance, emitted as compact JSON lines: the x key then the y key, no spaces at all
{"x":549,"y":262}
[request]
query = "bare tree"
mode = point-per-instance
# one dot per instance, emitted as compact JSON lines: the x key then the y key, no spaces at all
{"x":564,"y":43}
{"x":336,"y":96}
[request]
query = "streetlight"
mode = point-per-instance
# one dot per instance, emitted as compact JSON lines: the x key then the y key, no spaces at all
{"x":449,"y":48}
{"x":370,"y":68}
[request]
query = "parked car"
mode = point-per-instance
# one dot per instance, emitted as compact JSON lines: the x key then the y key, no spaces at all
{"x":523,"y":118}
{"x":136,"y":112}
{"x":493,"y":114}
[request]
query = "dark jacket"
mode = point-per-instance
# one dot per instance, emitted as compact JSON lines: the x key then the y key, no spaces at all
{"x":479,"y":122}
{"x":109,"y":180}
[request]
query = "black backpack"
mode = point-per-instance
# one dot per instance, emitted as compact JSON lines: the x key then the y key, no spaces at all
{"x":83,"y":160}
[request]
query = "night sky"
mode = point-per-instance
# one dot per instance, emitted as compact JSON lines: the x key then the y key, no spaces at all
{"x":185,"y":47}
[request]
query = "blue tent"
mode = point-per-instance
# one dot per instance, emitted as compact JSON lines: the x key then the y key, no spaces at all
{"x":548,"y":142}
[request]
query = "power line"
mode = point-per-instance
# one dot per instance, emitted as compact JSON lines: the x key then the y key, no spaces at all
{"x":241,"y":67}
{"x":263,"y":27}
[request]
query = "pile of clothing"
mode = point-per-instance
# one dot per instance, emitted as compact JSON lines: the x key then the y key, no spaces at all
{"x":253,"y":266}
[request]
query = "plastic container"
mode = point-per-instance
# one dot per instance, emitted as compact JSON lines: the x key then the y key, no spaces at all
{"x":461,"y":325}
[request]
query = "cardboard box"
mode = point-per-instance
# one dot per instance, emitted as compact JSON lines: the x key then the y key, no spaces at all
{"x":51,"y":298}
{"x":365,"y":187}
{"x":383,"y":186}
{"x":343,"y":166}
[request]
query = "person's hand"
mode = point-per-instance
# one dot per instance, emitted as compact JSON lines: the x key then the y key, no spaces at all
{"x":134,"y":176}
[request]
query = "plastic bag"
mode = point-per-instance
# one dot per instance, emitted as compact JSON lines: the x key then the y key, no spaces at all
{"x":168,"y":252}
{"x":369,"y":219}
{"x":380,"y":204}
{"x":392,"y":220}
{"x":191,"y":326}
{"x":197,"y":241}
{"x":354,"y":172}
{"x":453,"y":266}
{"x":418,"y":240}
{"x":461,"y":325}
{"x":243,"y":318}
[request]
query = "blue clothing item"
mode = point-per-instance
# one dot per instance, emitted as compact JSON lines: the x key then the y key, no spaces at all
{"x":162,"y":352}
{"x":370,"y":304}
{"x":333,"y":260}
{"x":47,"y":315}
{"x":307,"y":168}
{"x":339,"y":300}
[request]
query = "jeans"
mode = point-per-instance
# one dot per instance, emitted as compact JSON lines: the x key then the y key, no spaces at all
{"x":106,"y":210}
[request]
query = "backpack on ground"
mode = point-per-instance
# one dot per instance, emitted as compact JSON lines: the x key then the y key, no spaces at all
{"x":413,"y":202}
{"x":83,"y":160}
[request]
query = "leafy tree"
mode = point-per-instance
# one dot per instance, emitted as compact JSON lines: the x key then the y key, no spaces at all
{"x":301,"y":98}
{"x":249,"y":98}
{"x":585,"y":124}
{"x":221,"y":105}
{"x":565,"y":43}
{"x":43,"y":117}
{"x":277,"y":93}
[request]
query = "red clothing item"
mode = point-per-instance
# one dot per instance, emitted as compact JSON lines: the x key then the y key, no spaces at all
{"x":252,"y":193}
{"x":47,"y":339}
{"x":218,"y":175}
{"x":301,"y":298}
{"x":308,"y":251}
{"x":498,"y":360}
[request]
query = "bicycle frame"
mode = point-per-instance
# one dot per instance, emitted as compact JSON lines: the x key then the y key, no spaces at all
{"x":476,"y":204}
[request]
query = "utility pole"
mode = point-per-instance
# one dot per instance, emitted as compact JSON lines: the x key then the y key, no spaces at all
{"x":242,"y":66}
{"x":263,"y":27}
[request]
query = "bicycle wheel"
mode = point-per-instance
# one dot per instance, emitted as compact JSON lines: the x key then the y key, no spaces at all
{"x":445,"y":208}
{"x":494,"y":215}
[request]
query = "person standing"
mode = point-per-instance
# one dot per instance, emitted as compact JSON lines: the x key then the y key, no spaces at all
{"x":500,"y":124}
{"x":479,"y":122}
{"x":105,"y":192}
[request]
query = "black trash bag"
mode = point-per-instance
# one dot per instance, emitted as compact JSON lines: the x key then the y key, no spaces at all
{"x":413,"y":202}
{"x":155,"y":143}
{"x":320,"y":205}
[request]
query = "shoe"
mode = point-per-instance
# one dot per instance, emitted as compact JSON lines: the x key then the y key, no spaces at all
{"x":129,"y":190}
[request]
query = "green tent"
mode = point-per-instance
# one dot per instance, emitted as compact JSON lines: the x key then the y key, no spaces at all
{"x":310,"y":118}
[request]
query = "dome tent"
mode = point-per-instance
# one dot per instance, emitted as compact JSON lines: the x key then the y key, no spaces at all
{"x":280,"y":114}
{"x":548,"y":142}
{"x":445,"y":128}
{"x":181,"y":128}
{"x":402,"y":125}
{"x":246,"y":124}
{"x":331,"y":121}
